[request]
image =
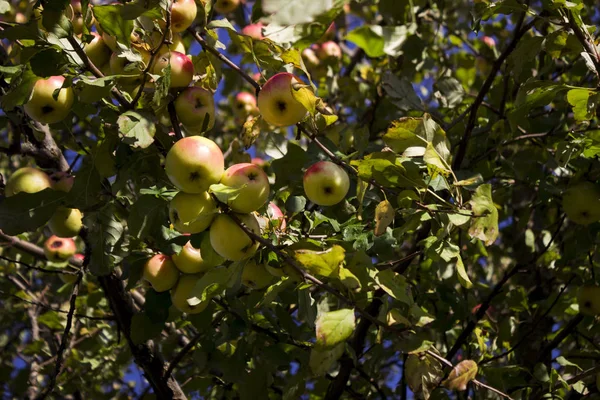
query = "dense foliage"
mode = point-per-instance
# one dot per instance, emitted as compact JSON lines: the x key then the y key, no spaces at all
{"x":445,"y":249}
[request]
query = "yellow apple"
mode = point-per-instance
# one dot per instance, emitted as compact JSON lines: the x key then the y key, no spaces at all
{"x":160,"y":271}
{"x":589,"y":300}
{"x":230,"y":241}
{"x":255,"y":276}
{"x":277,"y":103}
{"x":192,"y":212}
{"x":43,"y":107}
{"x":581,"y":203}
{"x":326,"y":183}
{"x":66,"y":222}
{"x":253,"y":185}
{"x":184,"y":291}
{"x":190,"y":261}
{"x":28,"y":180}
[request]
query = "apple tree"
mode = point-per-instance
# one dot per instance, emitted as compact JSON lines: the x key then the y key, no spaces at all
{"x":299,"y":199}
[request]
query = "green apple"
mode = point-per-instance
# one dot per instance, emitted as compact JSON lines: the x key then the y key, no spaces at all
{"x":74,"y":13}
{"x":277,"y":103}
{"x":28,"y":180}
{"x":581,"y":203}
{"x":244,"y":104}
{"x":133,"y":69}
{"x":97,"y":51}
{"x":183,"y":14}
{"x":326,"y":183}
{"x":255,"y":276}
{"x":253,"y":185}
{"x":254,"y":31}
{"x":182,"y":68}
{"x":66,"y":222}
{"x":193,"y":106}
{"x":589,"y":300}
{"x":184,"y":291}
{"x":192,"y":212}
{"x":43,"y":107}
{"x":59,"y":249}
{"x":230,"y":241}
{"x":226,"y":6}
{"x":194,"y":163}
{"x":62,"y":181}
{"x":189,"y":260}
{"x":160,"y":271}
{"x":156,"y":38}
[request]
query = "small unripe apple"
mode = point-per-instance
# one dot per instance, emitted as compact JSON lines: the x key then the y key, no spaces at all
{"x":194,"y":163}
{"x":160,"y":271}
{"x":230,"y":241}
{"x":184,"y":291}
{"x":226,"y":6}
{"x":28,"y":180}
{"x":326,"y":183}
{"x":277,"y":103}
{"x":589,"y":300}
{"x":66,"y":222}
{"x":193,"y":106}
{"x":97,"y":51}
{"x":183,"y":14}
{"x":59,"y":249}
{"x":253,"y":184}
{"x":62,"y":181}
{"x":42,"y":107}
{"x":329,"y":50}
{"x":254,"y":31}
{"x":255,"y":276}
{"x":182,"y":68}
{"x":192,"y":212}
{"x":581,"y":203}
{"x":189,"y":260}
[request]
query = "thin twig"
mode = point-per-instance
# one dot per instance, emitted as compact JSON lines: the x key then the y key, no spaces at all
{"x":174,"y":120}
{"x":49,"y":271}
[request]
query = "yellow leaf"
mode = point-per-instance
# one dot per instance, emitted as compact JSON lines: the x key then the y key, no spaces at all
{"x":384,"y":216}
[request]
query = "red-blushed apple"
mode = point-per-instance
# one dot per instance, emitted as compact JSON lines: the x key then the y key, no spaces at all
{"x":97,"y":51}
{"x":156,"y":39}
{"x":28,"y":180}
{"x":277,"y":103}
{"x":326,"y":183}
{"x":257,"y":77}
{"x":184,"y":292}
{"x":253,"y":185}
{"x":194,"y":163}
{"x":244,"y":104}
{"x":254,"y":31}
{"x":62,"y":181}
{"x":310,"y":58}
{"x":42,"y":107}
{"x":488,"y":41}
{"x":160,"y":271}
{"x":59,"y":249}
{"x":183,"y":14}
{"x":182,"y":68}
{"x":276,"y":217}
{"x":193,"y":106}
{"x":189,"y":260}
{"x":226,"y":6}
{"x":230,"y":241}
{"x":255,"y":276}
{"x":329,"y":50}
{"x":66,"y":222}
{"x":192,"y":212}
{"x":74,"y":13}
{"x":258,"y":161}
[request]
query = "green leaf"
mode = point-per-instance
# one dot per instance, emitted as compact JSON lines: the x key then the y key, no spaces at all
{"x":450,"y":92}
{"x":214,"y":282}
{"x":146,"y":216}
{"x":322,"y":359}
{"x":463,"y":278}
{"x":136,"y":129}
{"x":288,"y":168}
{"x":395,"y":285}
{"x":112,"y":21}
{"x":323,"y":263}
{"x":484,"y":225}
{"x":87,"y":188}
{"x":584,"y":103}
{"x":25,"y":212}
{"x":225,"y":193}
{"x":104,"y":236}
{"x":284,"y":12}
{"x":52,"y":319}
{"x":143,"y":329}
{"x":305,"y":96}
{"x":91,"y":89}
{"x":20,"y":90}
{"x":334,"y":327}
{"x":423,"y":374}
{"x":368,"y":39}
{"x":463,"y":373}
{"x":401,"y":92}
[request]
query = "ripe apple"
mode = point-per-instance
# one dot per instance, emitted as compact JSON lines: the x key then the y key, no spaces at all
{"x":255,"y":276}
{"x":183,"y":13}
{"x":489,"y":41}
{"x":28,"y":180}
{"x":589,"y":300}
{"x":226,"y":6}
{"x":258,"y":161}
{"x":190,"y":261}
{"x":66,"y":222}
{"x":182,"y":68}
{"x":156,"y":38}
{"x":59,"y":249}
{"x":192,"y":212}
{"x":75,"y":14}
{"x":275,"y":217}
{"x":230,"y":241}
{"x":254,"y":31}
{"x":42,"y":107}
{"x":161,"y":272}
{"x":134,"y":69}
{"x":329,"y":50}
{"x":244,"y":104}
{"x":326,"y":183}
{"x":62,"y":181}
{"x":193,"y":106}
{"x":194,"y":163}
{"x":111,"y":41}
{"x":253,"y":184}
{"x":184,"y":291}
{"x":581,"y":203}
{"x":277,"y":103}
{"x":97,"y":51}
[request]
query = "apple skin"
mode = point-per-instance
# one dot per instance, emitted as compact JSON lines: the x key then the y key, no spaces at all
{"x":189,"y":260}
{"x":75,"y":14}
{"x":254,"y":31}
{"x":226,"y":6}
{"x":244,"y":104}
{"x":192,"y":212}
{"x":277,"y":103}
{"x":329,"y":50}
{"x":256,"y":276}
{"x":59,"y":249}
{"x":194,"y":163}
{"x":230,"y":241}
{"x":581,"y":203}
{"x":97,"y":51}
{"x":589,"y":300}
{"x":122,"y":66}
{"x":28,"y":180}
{"x":66,"y":222}
{"x":42,"y":107}
{"x":275,"y":217}
{"x":310,"y":57}
{"x":183,"y":14}
{"x":160,"y":271}
{"x":254,"y":187}
{"x":193,"y":106}
{"x":326,"y":183}
{"x":62,"y":181}
{"x":182,"y":68}
{"x":183,"y":291}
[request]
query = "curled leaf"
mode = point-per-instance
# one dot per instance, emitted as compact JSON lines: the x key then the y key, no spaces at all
{"x":323,"y":263}
{"x":463,"y":373}
{"x":384,"y":216}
